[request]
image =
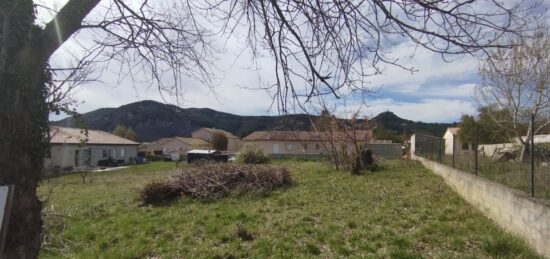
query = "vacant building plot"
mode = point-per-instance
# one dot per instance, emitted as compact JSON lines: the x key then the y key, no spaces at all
{"x":400,"y":211}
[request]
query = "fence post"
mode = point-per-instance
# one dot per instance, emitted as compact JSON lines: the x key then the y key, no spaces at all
{"x":426,"y":153}
{"x":532,"y":151}
{"x":453,"y":150}
{"x":440,"y":146}
{"x":475,"y":147}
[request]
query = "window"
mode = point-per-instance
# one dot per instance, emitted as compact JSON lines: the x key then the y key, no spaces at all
{"x":289,"y":146}
{"x":305,"y":146}
{"x":465,"y":146}
{"x":122,"y":152}
{"x":105,"y":152}
{"x":317,"y":147}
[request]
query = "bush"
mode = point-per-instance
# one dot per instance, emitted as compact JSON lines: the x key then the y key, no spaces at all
{"x":156,"y":192}
{"x":214,"y":181}
{"x":252,"y":156}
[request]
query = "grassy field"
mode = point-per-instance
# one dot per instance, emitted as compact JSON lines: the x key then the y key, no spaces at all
{"x":403,"y":211}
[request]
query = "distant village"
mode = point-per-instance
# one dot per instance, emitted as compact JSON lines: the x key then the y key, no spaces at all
{"x":74,"y":149}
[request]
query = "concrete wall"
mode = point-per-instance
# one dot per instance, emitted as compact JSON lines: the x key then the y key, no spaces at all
{"x":233,"y":145}
{"x":489,"y":149}
{"x":511,"y":209}
{"x":387,"y":151}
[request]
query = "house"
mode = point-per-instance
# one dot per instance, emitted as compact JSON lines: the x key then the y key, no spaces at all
{"x":72,"y":148}
{"x":233,"y":142}
{"x":538,"y":139}
{"x":453,"y":143}
{"x":173,"y":145}
{"x":295,"y":142}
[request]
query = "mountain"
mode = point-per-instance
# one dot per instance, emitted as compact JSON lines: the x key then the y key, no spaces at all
{"x":153,"y":120}
{"x":391,"y":122}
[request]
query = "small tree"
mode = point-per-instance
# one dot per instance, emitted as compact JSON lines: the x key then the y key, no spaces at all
{"x":130,"y":134}
{"x":120,"y":130}
{"x":219,"y":140}
{"x":326,"y":124}
{"x":124,"y":132}
{"x":516,"y":85}
{"x":343,"y":138}
{"x":487,"y":131}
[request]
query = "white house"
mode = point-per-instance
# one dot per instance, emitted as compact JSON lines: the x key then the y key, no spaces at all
{"x":452,"y":142}
{"x":72,"y":148}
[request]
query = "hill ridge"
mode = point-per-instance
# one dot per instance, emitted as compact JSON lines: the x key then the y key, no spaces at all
{"x":153,"y":120}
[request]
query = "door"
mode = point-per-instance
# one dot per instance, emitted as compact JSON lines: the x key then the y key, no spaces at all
{"x":275,"y":148}
{"x":81,"y":158}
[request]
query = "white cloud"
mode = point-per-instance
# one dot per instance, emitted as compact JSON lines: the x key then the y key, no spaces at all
{"x":435,"y":85}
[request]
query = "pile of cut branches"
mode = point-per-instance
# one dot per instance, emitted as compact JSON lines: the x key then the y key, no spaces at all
{"x":214,"y":181}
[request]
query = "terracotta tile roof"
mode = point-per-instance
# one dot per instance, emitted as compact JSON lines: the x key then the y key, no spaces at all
{"x":227,"y":133}
{"x":62,"y":135}
{"x":159,"y":141}
{"x":301,"y":135}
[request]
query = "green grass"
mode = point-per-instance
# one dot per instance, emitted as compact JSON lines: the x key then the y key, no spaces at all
{"x":403,"y":211}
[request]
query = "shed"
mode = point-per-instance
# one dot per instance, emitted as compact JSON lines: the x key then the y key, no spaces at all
{"x":205,"y":155}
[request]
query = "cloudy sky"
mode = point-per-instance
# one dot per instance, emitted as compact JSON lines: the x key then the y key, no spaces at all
{"x":439,"y":92}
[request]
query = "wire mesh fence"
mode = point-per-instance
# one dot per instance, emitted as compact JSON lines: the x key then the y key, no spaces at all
{"x":500,"y":163}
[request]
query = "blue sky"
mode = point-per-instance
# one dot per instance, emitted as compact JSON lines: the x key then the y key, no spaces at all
{"x":438,"y":92}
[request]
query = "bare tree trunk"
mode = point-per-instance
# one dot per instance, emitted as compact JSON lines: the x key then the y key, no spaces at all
{"x":523,"y":151}
{"x":23,"y":131}
{"x":525,"y":144}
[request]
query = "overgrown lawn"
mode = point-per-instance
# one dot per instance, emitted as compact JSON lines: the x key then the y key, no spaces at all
{"x":403,"y":211}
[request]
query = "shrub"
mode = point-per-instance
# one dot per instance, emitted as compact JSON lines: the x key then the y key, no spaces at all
{"x":366,"y":157}
{"x":156,"y":192}
{"x":219,"y":140}
{"x":252,"y":156}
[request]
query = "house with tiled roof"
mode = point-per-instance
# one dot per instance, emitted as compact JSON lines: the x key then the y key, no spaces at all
{"x":74,"y":149}
{"x":299,"y":142}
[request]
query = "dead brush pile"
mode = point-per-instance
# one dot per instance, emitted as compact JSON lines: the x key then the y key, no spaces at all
{"x":214,"y":181}
{"x":158,"y":191}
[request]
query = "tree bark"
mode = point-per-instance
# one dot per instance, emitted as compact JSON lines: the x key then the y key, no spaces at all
{"x":24,"y":54}
{"x":23,"y":142}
